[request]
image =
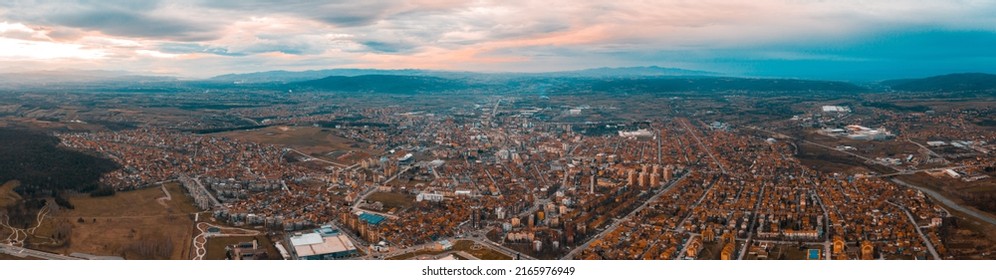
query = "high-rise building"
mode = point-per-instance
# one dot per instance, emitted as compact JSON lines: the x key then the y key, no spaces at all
{"x":632,"y":178}
{"x":727,"y":253}
{"x":591,"y":184}
{"x":867,"y":250}
{"x":838,"y":245}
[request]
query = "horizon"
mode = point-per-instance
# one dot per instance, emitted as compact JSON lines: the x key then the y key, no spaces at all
{"x":842,"y":40}
{"x":705,"y":74}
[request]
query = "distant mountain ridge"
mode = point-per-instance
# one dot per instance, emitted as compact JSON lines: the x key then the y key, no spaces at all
{"x":644,"y":71}
{"x":960,"y":82}
{"x":300,"y":76}
{"x":623,"y":80}
{"x":384,"y":84}
{"x":569,"y":85}
{"x":721,"y":84}
{"x":281,"y":76}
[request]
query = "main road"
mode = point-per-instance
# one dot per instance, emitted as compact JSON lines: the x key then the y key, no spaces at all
{"x":22,"y":252}
{"x":617,"y":222}
{"x":926,"y":241}
{"x":937,"y":196}
{"x":950,"y":204}
{"x":702,"y":145}
{"x":933,"y":194}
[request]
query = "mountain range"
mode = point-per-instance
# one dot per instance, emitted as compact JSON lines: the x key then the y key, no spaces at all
{"x":960,"y":82}
{"x":617,"y":80}
{"x":604,"y":72}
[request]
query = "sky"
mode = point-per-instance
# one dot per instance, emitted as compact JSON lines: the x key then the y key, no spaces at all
{"x":831,"y":39}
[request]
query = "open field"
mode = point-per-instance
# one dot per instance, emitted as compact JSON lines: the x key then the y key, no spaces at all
{"x":392,"y":200}
{"x":972,"y":194}
{"x":216,"y":246}
{"x":971,"y":239}
{"x":7,"y":195}
{"x":134,"y":203}
{"x":314,"y":141}
{"x":711,"y":251}
{"x":129,"y":224}
{"x":826,"y":160}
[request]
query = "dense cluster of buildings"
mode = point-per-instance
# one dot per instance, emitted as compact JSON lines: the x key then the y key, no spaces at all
{"x":659,"y":189}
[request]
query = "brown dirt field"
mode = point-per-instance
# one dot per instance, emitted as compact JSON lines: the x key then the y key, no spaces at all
{"x":393,"y":200}
{"x":7,"y":195}
{"x":315,"y":141}
{"x":825,"y":160}
{"x":954,"y":189}
{"x":711,"y":251}
{"x":972,"y":239}
{"x":133,"y":203}
{"x":115,"y":225}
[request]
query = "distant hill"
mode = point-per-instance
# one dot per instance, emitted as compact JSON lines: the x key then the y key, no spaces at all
{"x":963,"y":82}
{"x":572,"y":85}
{"x":647,"y":71}
{"x":719,"y":84}
{"x":384,"y":84}
{"x":300,"y":76}
{"x":35,"y":159}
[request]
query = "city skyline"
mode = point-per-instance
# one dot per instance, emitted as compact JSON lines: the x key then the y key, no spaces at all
{"x":840,"y":40}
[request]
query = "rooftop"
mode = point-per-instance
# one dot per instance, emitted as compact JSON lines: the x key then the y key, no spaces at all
{"x":372,"y":219}
{"x":310,"y":244}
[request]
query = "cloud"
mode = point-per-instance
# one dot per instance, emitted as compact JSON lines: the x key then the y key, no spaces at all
{"x":128,"y":24}
{"x":387,"y":47}
{"x":136,"y":19}
{"x":26,"y":50}
{"x":509,"y":35}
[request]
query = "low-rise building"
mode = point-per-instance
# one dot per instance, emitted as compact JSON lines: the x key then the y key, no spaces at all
{"x":315,"y":246}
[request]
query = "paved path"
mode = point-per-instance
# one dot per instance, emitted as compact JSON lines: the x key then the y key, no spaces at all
{"x":162,"y":200}
{"x":17,"y":235}
{"x":309,"y":157}
{"x":200,"y":241}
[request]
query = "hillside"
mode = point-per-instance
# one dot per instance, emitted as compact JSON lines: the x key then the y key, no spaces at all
{"x":301,"y":76}
{"x":39,"y":164}
{"x":717,"y":84}
{"x":963,"y":82}
{"x":384,"y":84}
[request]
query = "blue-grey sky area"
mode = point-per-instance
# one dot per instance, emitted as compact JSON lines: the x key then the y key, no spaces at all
{"x":839,"y":40}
